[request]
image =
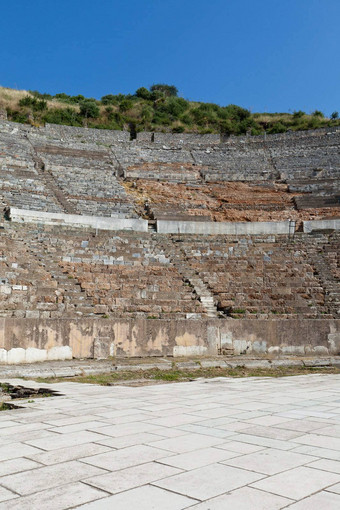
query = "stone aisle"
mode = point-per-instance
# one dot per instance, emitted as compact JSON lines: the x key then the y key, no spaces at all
{"x":257,"y":443}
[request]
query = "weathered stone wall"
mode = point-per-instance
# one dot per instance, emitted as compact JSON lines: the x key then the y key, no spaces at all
{"x":104,"y":136}
{"x":96,"y":222}
{"x":309,"y":226}
{"x":176,"y":139}
{"x":29,"y":340}
{"x":218,"y":228}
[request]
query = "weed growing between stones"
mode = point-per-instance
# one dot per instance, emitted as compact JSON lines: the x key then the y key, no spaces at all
{"x":154,"y":376}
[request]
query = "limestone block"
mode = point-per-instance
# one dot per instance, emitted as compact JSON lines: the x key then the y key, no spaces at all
{"x":16,"y":355}
{"x":34,"y":355}
{"x":60,"y":353}
{"x":3,"y":356}
{"x":189,"y":350}
{"x":5,"y":289}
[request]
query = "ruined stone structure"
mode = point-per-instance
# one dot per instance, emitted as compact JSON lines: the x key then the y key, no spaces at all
{"x":70,"y":287}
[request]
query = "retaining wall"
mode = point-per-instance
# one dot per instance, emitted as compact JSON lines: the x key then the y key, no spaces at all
{"x":31,"y":340}
{"x":212,"y":228}
{"x":101,"y":223}
{"x":309,"y":226}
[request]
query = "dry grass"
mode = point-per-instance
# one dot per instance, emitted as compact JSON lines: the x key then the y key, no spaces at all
{"x":9,"y":98}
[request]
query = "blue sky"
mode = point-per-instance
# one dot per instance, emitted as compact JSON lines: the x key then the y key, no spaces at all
{"x":266,"y":55}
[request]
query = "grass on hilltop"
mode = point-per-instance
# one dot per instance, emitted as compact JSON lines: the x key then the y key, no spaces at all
{"x":156,"y":109}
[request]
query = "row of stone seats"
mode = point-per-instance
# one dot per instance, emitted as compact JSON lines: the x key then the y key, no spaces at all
{"x":289,"y":158}
{"x":121,"y":275}
{"x":78,"y":134}
{"x":26,"y":288}
{"x":129,"y":275}
{"x":85,"y":164}
{"x":86,"y":173}
{"x":55,"y":272}
{"x":253,"y":276}
{"x":154,"y":291}
{"x":20,"y":184}
{"x":331,"y":254}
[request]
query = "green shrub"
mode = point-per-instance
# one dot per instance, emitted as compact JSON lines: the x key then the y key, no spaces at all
{"x":278,"y":127}
{"x":166,"y":90}
{"x":186,"y":119}
{"x":89,"y":109}
{"x":147,"y":114}
{"x":174,"y":106}
{"x":317,"y":113}
{"x":38,"y":95}
{"x":237,"y":112}
{"x":66,"y":116}
{"x":62,"y":96}
{"x":178,"y":129}
{"x":125,"y":105}
{"x":34,"y":103}
{"x":335,"y":115}
{"x":161,"y":118}
{"x":298,"y":114}
{"x":17,"y":116}
{"x":143,"y":93}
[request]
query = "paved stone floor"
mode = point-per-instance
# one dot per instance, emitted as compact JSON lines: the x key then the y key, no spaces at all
{"x":238,"y":444}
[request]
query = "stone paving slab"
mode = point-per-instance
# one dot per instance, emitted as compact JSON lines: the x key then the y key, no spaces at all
{"x":206,"y":444}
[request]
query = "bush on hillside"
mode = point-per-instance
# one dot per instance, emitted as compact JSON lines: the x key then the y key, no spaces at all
{"x":66,"y":116}
{"x":166,"y":90}
{"x":298,"y":114}
{"x":125,"y":105}
{"x":143,"y":93}
{"x":89,"y":109}
{"x":38,"y":95}
{"x":173,"y":106}
{"x":278,"y":127}
{"x":317,"y":113}
{"x":37,"y":105}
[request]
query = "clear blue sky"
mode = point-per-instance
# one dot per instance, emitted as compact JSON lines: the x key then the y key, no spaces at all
{"x":266,"y":55}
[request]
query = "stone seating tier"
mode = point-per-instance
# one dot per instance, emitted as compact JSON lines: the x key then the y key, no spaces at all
{"x":59,"y":272}
{"x":78,"y":170}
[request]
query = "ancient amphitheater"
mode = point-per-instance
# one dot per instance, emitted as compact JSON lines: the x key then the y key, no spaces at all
{"x":167,"y":244}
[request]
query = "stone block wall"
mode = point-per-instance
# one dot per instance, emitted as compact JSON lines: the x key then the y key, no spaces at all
{"x":31,"y":340}
{"x":177,"y":139}
{"x":104,"y":136}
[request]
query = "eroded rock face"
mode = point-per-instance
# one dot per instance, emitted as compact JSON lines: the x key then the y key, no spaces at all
{"x":225,"y":201}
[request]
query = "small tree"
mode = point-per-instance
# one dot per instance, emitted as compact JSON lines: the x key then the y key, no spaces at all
{"x":317,"y":113}
{"x":143,"y":93}
{"x":335,"y":115}
{"x":167,"y":90}
{"x":298,"y":114}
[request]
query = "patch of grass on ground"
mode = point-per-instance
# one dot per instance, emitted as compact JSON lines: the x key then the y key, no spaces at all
{"x":176,"y":375}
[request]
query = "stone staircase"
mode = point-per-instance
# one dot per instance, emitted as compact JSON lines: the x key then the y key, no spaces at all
{"x":177,"y":257}
{"x":50,"y":183}
{"x":73,"y":300}
{"x":329,"y":282}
